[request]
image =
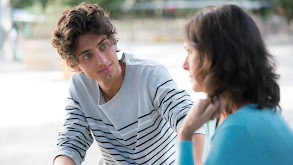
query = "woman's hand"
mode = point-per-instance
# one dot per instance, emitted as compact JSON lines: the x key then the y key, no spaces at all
{"x":200,"y":113}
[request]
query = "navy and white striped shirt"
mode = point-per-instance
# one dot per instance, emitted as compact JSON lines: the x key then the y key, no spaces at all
{"x":137,"y":126}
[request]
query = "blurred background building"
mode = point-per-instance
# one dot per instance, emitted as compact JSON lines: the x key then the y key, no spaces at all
{"x":34,"y":79}
{"x":22,"y":21}
{"x":5,"y":26}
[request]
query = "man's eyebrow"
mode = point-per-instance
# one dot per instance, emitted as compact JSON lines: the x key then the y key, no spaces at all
{"x":85,"y":51}
{"x":82,"y":52}
{"x":101,"y":41}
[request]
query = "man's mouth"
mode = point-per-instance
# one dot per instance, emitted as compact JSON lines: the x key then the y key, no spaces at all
{"x":106,"y":69}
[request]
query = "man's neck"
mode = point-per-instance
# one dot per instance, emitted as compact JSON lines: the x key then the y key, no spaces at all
{"x":110,"y":89}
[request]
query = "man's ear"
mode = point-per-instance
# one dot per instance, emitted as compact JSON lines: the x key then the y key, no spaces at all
{"x":67,"y":63}
{"x":115,"y":46}
{"x":76,"y":68}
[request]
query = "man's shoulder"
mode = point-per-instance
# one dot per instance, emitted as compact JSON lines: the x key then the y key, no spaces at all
{"x":78,"y":79}
{"x":137,"y":61}
{"x":78,"y":76}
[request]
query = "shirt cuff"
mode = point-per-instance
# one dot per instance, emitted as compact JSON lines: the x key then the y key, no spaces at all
{"x":71,"y":154}
{"x":184,"y":153}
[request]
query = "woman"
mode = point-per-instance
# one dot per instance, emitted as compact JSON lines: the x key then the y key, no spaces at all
{"x":228,"y":60}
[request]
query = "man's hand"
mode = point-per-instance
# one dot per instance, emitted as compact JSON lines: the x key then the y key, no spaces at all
{"x":200,"y":113}
{"x":63,"y":160}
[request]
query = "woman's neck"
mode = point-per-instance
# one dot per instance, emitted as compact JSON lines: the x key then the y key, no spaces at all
{"x":224,"y":115}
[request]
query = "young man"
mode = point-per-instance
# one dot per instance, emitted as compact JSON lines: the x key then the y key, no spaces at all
{"x":131,"y":107}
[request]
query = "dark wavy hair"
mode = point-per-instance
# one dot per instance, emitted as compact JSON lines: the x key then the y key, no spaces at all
{"x":80,"y":20}
{"x":234,"y":63}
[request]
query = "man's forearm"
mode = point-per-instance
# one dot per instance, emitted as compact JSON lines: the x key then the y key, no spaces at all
{"x":198,"y":147}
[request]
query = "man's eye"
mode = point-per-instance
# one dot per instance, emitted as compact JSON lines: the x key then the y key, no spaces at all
{"x":87,"y":56}
{"x":104,"y":46}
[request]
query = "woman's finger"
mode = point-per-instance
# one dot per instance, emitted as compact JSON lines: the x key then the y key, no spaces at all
{"x":202,"y":104}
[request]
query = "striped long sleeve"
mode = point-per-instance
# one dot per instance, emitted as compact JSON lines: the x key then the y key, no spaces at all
{"x":171,"y":102}
{"x":75,"y":138}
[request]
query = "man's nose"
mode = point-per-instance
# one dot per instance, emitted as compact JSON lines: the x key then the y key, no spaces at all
{"x":100,"y":58}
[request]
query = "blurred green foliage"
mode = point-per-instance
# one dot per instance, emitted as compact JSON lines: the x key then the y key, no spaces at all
{"x":21,"y":3}
{"x":28,"y":3}
{"x":284,"y":7}
{"x":112,"y":6}
{"x":115,"y":7}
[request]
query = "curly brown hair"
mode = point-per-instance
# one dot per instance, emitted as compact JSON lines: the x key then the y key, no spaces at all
{"x":234,"y":63}
{"x":77,"y":21}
